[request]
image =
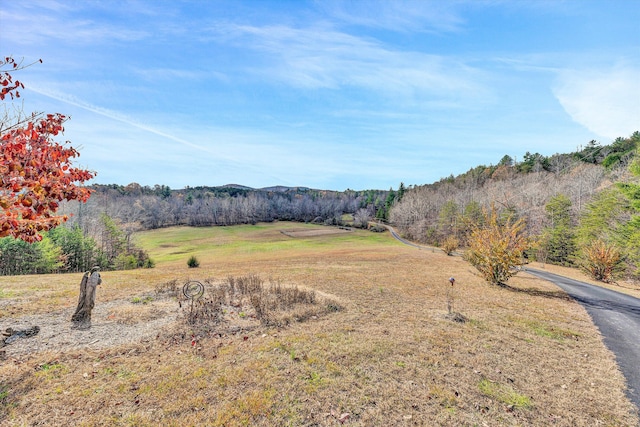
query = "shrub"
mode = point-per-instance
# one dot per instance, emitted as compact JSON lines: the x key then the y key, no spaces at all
{"x":496,"y":247}
{"x":602,"y":261}
{"x":377,"y":228}
{"x":449,"y":245}
{"x":193,"y":262}
{"x":125,"y":262}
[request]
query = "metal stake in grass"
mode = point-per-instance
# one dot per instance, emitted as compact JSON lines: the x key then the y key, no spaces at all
{"x":450,"y":295}
{"x":193,"y":291}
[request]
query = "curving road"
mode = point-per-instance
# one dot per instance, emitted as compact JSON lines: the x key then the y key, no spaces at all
{"x":618,"y":318}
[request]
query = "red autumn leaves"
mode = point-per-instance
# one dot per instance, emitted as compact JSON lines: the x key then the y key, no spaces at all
{"x":37,"y":172}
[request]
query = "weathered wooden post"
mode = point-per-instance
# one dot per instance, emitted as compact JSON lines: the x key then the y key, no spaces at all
{"x":82,"y":317}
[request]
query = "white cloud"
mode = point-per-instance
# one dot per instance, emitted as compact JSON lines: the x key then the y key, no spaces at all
{"x":606,"y":102}
{"x":323,"y":58}
{"x":397,"y":15}
{"x":114,"y":115}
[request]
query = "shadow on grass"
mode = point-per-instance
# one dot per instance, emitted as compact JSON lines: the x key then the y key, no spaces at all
{"x":538,"y":293}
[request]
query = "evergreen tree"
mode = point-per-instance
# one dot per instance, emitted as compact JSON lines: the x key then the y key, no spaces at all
{"x":621,"y":149}
{"x":401,"y":191}
{"x":558,"y":237}
{"x":20,"y":257}
{"x":471,"y":216}
{"x":603,"y":231}
{"x":51,"y":257}
{"x":448,"y":220}
{"x":16,"y":256}
{"x":603,"y":217}
{"x":80,"y":252}
{"x":506,"y":160}
{"x":113,"y":240}
{"x":383,"y":213}
{"x":472,"y":212}
{"x":534,"y":163}
{"x":631,"y":230}
{"x":592,"y":153}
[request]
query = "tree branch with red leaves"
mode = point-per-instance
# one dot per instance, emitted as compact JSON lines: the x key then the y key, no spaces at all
{"x":37,"y":172}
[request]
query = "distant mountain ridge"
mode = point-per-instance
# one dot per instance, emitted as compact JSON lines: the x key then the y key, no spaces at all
{"x":274,"y":188}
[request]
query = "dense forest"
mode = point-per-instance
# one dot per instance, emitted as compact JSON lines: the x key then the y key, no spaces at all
{"x":567,"y":200}
{"x":137,"y":207}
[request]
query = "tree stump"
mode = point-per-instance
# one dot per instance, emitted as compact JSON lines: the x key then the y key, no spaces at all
{"x":82,"y":317}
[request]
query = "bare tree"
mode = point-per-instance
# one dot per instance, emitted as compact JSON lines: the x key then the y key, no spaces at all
{"x":361,"y":218}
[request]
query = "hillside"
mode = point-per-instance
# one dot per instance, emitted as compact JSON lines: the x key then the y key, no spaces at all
{"x":585,"y":189}
{"x":386,"y":354}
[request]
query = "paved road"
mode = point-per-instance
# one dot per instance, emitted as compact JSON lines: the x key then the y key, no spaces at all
{"x":618,"y":318}
{"x":396,"y":236}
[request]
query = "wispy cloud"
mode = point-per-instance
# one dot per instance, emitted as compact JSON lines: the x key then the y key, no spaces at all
{"x":71,"y":100}
{"x":329,"y":93}
{"x":51,"y":28}
{"x":163,"y":74}
{"x":607,"y":102}
{"x":323,"y":58}
{"x":398,"y":15}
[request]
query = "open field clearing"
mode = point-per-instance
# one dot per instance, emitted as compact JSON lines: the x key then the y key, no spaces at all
{"x":387,"y":355}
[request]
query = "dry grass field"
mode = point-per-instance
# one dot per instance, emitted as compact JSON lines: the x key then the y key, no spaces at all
{"x":389,"y":356}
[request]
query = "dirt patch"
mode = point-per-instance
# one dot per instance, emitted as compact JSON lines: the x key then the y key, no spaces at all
{"x":113,"y":323}
{"x":145,"y":318}
{"x":326,"y":231}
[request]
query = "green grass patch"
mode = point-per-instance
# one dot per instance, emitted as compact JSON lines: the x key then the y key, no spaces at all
{"x":50,"y":370}
{"x":547,"y":331}
{"x":505,"y":394}
{"x":49,"y":367}
{"x":142,"y":300}
{"x":170,"y":244}
{"x":7,"y":294}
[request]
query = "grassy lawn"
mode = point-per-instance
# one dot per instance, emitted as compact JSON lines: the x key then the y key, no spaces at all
{"x":175,"y":244}
{"x":389,"y":357}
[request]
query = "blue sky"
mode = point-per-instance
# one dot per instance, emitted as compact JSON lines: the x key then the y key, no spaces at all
{"x":324,"y":94}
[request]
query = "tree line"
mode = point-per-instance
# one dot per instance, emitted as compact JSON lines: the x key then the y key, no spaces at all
{"x":578,"y":209}
{"x":69,"y":248}
{"x":137,"y":207}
